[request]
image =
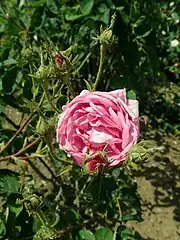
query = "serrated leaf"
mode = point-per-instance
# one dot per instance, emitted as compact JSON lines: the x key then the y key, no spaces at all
{"x":104,"y":234}
{"x":85,"y":234}
{"x":8,"y":182}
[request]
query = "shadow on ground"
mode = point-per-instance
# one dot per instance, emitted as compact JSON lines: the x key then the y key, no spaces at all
{"x":159,"y":186}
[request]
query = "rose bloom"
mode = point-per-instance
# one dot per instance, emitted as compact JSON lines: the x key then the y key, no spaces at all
{"x":95,"y":122}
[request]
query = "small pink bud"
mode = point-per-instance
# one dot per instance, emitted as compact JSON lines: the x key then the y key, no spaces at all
{"x":58,"y":58}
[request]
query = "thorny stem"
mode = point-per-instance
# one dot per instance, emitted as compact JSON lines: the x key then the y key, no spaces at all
{"x":101,"y":61}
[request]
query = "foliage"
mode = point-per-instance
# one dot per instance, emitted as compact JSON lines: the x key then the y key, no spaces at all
{"x":44,"y":196}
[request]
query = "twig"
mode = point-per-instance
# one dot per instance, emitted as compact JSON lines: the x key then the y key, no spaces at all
{"x":2,"y":159}
{"x":17,"y":133}
{"x":27,"y":147}
{"x":20,"y":151}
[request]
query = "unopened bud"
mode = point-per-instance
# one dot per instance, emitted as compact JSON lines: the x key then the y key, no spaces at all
{"x":58,"y":58}
{"x":107,"y":37}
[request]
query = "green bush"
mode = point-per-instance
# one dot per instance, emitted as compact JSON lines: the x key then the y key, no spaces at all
{"x":57,"y":199}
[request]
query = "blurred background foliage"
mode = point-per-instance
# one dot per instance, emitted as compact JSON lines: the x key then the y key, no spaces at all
{"x":145,"y":58}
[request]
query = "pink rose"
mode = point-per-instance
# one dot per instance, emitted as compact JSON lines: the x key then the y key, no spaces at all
{"x":97,"y":121}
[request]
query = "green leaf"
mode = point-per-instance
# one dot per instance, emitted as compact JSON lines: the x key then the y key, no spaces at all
{"x":104,"y":234}
{"x":131,"y":95}
{"x":85,"y":234}
{"x":124,"y":233}
{"x":127,"y":234}
{"x":88,"y":85}
{"x":119,"y":9}
{"x":15,"y":208}
{"x":8,"y":182}
{"x":106,"y":16}
{"x":2,"y":229}
{"x":86,"y":6}
{"x":175,"y":16}
{"x":8,"y":62}
{"x":37,"y":3}
{"x":103,"y":14}
{"x":124,"y":17}
{"x":73,"y":16}
{"x":52,"y":6}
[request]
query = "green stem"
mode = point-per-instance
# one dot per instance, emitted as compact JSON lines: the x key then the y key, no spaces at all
{"x":102,"y":52}
{"x":82,"y":64}
{"x":41,"y":217}
{"x":49,"y":100}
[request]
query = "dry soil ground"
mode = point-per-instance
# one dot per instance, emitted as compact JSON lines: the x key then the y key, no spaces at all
{"x":159,"y":187}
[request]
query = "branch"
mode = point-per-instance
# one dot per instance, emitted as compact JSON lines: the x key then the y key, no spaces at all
{"x":17,"y":133}
{"x":27,"y":147}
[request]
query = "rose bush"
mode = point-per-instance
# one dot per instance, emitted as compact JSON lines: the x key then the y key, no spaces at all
{"x":97,"y":122}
